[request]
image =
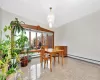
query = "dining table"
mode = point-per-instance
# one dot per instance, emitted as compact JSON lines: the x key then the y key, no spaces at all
{"x":51,"y":52}
{"x":54,"y":52}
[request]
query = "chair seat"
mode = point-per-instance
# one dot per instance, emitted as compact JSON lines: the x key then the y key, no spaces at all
{"x":55,"y":55}
{"x":45,"y":58}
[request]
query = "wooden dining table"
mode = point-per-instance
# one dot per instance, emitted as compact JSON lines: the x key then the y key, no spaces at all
{"x":54,"y":52}
{"x":51,"y":52}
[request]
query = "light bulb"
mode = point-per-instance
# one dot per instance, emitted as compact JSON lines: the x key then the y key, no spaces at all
{"x":50,"y":25}
{"x":50,"y":18}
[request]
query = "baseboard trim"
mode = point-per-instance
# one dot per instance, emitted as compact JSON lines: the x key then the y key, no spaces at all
{"x":85,"y":59}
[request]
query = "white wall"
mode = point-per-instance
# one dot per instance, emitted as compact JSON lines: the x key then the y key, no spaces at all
{"x":0,"y":24}
{"x":0,"y":18}
{"x":82,"y":36}
{"x":7,"y":17}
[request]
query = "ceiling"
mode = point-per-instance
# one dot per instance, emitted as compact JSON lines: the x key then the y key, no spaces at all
{"x":65,"y":10}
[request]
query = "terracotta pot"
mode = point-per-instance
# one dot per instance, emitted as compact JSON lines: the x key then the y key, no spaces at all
{"x":24,"y":61}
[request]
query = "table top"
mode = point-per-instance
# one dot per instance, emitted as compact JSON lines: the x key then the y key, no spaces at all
{"x":46,"y":50}
{"x":53,"y":50}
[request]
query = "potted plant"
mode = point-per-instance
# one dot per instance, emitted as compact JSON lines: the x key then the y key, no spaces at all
{"x":20,"y":42}
{"x":8,"y":51}
{"x":4,"y":47}
{"x":15,"y":26}
{"x":5,"y":58}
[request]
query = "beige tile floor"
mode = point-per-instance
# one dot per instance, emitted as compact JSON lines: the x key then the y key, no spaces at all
{"x":71,"y":70}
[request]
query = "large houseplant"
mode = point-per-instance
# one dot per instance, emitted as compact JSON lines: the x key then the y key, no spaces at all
{"x":8,"y":48}
{"x":5,"y":57}
{"x":15,"y":27}
{"x":21,"y":42}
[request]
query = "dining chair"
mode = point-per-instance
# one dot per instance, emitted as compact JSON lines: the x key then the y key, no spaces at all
{"x":44,"y":57}
{"x":55,"y":55}
{"x":60,"y":53}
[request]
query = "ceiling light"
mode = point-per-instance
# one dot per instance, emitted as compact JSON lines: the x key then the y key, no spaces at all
{"x":51,"y":18}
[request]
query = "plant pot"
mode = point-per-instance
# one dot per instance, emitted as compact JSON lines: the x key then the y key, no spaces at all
{"x":13,"y":60}
{"x":29,"y":58}
{"x":24,"y":61}
{"x":13,"y":63}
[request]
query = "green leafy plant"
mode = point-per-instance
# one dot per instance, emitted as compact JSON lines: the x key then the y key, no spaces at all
{"x":11,"y":70}
{"x":4,"y":67}
{"x":5,"y":50}
{"x":2,"y":77}
{"x":8,"y":49}
{"x":22,"y":40}
{"x":4,"y":46}
{"x":15,"y":26}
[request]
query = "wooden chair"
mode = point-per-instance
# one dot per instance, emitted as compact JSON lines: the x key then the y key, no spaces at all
{"x":56,"y":55}
{"x":44,"y":57}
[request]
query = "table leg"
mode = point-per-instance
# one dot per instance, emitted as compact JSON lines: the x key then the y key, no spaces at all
{"x":44,"y":63}
{"x":51,"y":62}
{"x":62,"y":58}
{"x":41,"y":60}
{"x":54,"y":60}
{"x":58,"y":58}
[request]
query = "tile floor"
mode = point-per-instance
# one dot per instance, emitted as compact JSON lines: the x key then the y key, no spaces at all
{"x":72,"y":69}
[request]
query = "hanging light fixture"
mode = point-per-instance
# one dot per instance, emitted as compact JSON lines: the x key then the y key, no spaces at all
{"x":51,"y":18}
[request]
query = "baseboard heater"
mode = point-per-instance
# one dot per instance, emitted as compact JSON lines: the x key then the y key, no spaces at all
{"x":84,"y":59}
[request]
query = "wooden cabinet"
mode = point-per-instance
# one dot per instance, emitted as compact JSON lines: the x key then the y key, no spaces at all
{"x":62,"y":48}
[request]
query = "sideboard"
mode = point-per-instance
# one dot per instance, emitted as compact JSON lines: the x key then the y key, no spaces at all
{"x":62,"y":48}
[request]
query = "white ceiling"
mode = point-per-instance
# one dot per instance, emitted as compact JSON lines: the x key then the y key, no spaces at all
{"x":65,"y":10}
